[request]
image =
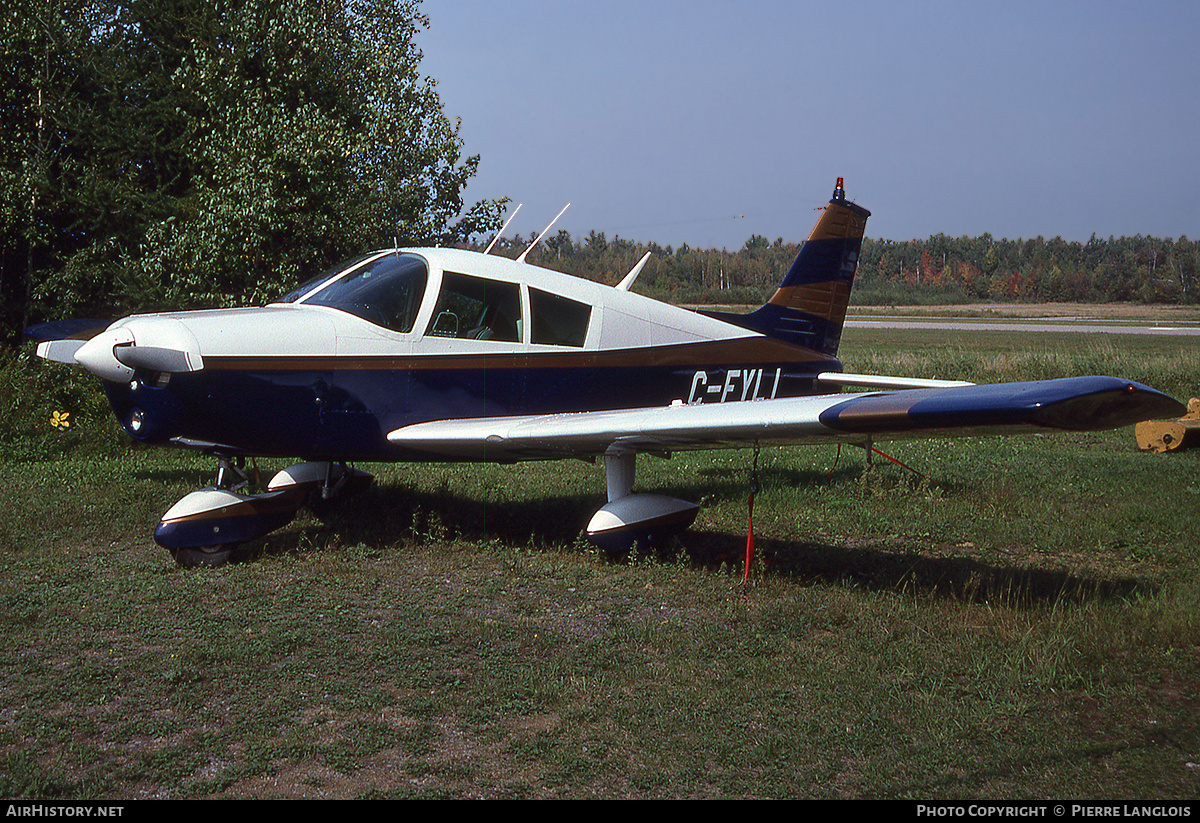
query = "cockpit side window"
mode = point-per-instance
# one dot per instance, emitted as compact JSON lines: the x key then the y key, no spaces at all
{"x":557,"y":321}
{"x":386,"y":292}
{"x":477,"y":309}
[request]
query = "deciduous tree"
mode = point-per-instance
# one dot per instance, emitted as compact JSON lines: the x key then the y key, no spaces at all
{"x":191,"y":152}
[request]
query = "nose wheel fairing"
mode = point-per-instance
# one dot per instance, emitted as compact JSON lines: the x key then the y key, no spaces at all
{"x":204,"y":527}
{"x":214,"y":516}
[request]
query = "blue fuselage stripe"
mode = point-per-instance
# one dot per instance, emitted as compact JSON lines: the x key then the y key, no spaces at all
{"x":346,"y":413}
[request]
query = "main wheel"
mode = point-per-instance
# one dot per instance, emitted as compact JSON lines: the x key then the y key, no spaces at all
{"x":204,"y":556}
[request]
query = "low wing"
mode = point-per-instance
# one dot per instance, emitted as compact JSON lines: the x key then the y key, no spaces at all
{"x":1077,"y":404}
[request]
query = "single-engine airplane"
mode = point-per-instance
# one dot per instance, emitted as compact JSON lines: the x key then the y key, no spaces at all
{"x":438,"y":354}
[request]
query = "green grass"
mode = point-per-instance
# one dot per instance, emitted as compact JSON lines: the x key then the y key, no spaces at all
{"x":1170,"y":364}
{"x":1022,"y":621}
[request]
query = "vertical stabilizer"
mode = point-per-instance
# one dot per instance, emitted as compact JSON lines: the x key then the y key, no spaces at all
{"x":809,"y":307}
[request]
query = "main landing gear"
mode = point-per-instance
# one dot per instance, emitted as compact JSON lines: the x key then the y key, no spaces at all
{"x":628,"y":518}
{"x":208,"y":527}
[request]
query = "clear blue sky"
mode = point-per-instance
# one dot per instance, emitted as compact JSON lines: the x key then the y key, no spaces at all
{"x":704,"y":122}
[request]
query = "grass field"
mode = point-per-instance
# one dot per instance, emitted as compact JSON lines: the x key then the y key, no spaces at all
{"x":1019,"y":620}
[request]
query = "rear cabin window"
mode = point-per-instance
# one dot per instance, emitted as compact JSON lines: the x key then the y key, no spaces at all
{"x":386,"y":292}
{"x":558,"y":321}
{"x":477,"y":309}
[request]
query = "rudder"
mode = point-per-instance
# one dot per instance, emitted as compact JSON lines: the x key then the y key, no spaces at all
{"x":809,"y":307}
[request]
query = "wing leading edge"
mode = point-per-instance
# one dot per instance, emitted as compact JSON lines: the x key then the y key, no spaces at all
{"x":1075,"y":404}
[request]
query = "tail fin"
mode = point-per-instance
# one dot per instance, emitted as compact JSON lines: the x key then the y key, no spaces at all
{"x":809,"y":308}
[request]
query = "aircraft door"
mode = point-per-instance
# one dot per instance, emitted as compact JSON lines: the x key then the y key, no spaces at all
{"x":474,"y":363}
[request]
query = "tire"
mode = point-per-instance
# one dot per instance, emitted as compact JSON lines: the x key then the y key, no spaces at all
{"x":204,"y":556}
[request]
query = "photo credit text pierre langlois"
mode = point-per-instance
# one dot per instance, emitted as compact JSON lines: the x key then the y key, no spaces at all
{"x":1060,"y":810}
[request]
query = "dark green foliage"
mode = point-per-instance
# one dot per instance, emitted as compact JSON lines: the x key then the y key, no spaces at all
{"x":48,"y":410}
{"x":213,"y":153}
{"x":1126,"y":269}
{"x":939,"y":270}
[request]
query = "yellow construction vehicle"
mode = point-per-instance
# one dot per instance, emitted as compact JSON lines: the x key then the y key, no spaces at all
{"x":1170,"y":435}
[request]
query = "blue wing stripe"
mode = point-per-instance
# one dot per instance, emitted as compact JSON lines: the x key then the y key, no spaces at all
{"x":1074,"y":403}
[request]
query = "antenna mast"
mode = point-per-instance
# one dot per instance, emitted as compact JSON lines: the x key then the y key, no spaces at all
{"x":500,"y":233}
{"x":521,"y":259}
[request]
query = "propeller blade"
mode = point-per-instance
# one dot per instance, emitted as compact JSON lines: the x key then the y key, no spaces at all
{"x":59,"y":351}
{"x":155,"y":358}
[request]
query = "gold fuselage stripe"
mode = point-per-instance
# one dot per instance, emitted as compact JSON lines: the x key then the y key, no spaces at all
{"x":827,"y":300}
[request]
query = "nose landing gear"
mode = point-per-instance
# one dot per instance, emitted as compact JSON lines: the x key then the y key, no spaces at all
{"x":207,"y":527}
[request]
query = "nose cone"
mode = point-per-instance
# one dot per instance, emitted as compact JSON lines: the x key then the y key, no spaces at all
{"x":150,"y":342}
{"x":96,"y":355}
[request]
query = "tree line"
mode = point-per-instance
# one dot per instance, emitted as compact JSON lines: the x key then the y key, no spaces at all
{"x":939,"y":269}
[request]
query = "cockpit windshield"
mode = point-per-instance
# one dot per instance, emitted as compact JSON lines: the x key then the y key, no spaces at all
{"x":330,"y":273}
{"x":386,"y":292}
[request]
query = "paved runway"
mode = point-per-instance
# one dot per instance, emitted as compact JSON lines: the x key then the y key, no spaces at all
{"x":1066,"y":325}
